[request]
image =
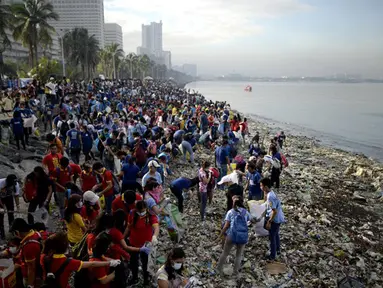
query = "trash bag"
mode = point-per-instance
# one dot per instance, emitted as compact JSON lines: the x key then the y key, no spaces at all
{"x":41,"y":215}
{"x":117,"y":165}
{"x":152,"y":269}
{"x":174,"y":222}
{"x":257,"y":208}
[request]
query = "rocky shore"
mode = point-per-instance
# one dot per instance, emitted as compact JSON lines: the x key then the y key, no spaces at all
{"x":330,"y":200}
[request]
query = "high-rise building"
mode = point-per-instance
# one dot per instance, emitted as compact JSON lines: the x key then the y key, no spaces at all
{"x":87,"y":14}
{"x":113,"y":34}
{"x":190,"y":69}
{"x":152,"y":38}
{"x":167,"y":59}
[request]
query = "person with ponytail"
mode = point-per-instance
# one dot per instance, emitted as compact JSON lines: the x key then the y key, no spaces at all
{"x":236,"y":221}
{"x":170,"y":274}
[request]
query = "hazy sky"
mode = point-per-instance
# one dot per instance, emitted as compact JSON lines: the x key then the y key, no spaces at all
{"x":261,"y":37}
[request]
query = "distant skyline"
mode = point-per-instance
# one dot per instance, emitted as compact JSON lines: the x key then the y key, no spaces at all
{"x":262,"y":37}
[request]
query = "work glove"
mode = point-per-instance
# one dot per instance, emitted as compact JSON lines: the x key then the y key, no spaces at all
{"x":144,"y":249}
{"x":114,"y":263}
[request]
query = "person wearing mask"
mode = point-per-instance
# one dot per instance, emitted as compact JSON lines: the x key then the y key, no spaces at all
{"x":170,"y":274}
{"x":17,"y":125}
{"x":253,"y":182}
{"x":143,"y":228}
{"x":179,"y":186}
{"x":274,"y":218}
{"x":53,"y":258}
{"x":204,"y":176}
{"x":90,"y":210}
{"x":74,"y":222}
{"x":129,"y":174}
{"x":74,"y":143}
{"x":152,"y":173}
{"x":9,"y":194}
{"x":52,"y":161}
{"x":236,"y":222}
{"x":106,"y":185}
{"x":44,"y":191}
{"x":62,"y":176}
{"x":30,"y":249}
{"x":126,"y":202}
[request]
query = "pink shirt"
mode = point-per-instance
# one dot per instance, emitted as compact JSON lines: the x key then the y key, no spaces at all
{"x":202,"y":186}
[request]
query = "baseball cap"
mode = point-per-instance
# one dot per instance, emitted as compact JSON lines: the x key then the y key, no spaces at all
{"x":91,"y":197}
{"x":153,"y":163}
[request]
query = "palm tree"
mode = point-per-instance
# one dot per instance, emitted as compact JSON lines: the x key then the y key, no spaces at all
{"x":5,"y":20}
{"x":31,"y":24}
{"x":82,"y":50}
{"x":132,"y":59}
{"x":144,"y":62}
{"x":116,"y":52}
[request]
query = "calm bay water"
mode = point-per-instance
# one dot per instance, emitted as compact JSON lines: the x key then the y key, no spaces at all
{"x":347,"y":116}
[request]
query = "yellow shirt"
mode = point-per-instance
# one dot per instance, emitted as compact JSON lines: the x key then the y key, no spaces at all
{"x":182,"y":124}
{"x":174,"y":111}
{"x":75,"y":233}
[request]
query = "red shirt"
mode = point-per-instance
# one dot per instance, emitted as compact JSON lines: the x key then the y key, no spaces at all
{"x":99,"y":274}
{"x":93,"y":215}
{"x":76,"y":169}
{"x":56,"y":261}
{"x":30,"y":250}
{"x":88,"y":181}
{"x":62,"y":177}
{"x":107,"y":177}
{"x":119,"y":203}
{"x":142,"y":231}
{"x":52,"y":161}
{"x":116,"y":252}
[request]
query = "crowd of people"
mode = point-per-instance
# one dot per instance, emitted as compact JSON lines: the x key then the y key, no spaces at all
{"x":112,"y":149}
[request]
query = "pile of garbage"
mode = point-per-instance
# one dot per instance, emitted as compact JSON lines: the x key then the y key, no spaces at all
{"x":334,"y":225}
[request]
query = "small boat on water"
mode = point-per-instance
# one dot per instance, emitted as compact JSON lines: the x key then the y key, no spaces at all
{"x":248,"y":88}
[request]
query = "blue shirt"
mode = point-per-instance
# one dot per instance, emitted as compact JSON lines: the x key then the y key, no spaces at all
{"x":221,"y":154}
{"x":87,"y":141}
{"x":273,"y":202}
{"x":74,"y":138}
{"x":147,"y":176}
{"x":181,"y":183}
{"x":17,"y":125}
{"x":130,"y":173}
{"x":232,"y":213}
{"x":254,"y":183}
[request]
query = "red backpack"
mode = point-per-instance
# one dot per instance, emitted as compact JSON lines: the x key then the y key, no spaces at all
{"x":30,"y":190}
{"x":285,"y":162}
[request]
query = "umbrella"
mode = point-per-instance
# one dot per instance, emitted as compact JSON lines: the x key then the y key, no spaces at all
{"x":148,"y":78}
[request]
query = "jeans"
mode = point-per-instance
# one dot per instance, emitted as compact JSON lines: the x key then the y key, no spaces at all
{"x":108,"y":203}
{"x":178,"y":193}
{"x":274,"y":239}
{"x":60,"y":199}
{"x":18,"y":138}
{"x":134,"y":257}
{"x":203,"y":204}
{"x":8,"y":202}
{"x":274,"y":178}
{"x":75,"y":155}
{"x":222,"y":172}
{"x":186,"y":147}
{"x":226,"y":251}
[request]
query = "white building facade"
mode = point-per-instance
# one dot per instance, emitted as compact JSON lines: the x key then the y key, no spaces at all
{"x":87,"y":14}
{"x":113,"y":34}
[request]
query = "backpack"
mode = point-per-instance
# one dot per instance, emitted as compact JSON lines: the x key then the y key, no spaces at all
{"x":53,"y":279}
{"x":30,"y":190}
{"x":152,"y":148}
{"x":239,"y":232}
{"x":276,"y":163}
{"x":64,"y":128}
{"x":285,"y":162}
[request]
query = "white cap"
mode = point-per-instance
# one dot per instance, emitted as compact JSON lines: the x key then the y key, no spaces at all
{"x":153,"y":163}
{"x":91,"y":197}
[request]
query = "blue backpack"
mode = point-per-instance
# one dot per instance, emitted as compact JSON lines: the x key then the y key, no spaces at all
{"x":239,"y":232}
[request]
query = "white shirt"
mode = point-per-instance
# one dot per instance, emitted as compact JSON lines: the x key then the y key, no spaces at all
{"x":3,"y":183}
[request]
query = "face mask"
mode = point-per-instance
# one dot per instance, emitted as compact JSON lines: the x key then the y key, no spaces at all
{"x":13,"y":250}
{"x":177,"y":266}
{"x":79,"y":204}
{"x":141,"y":213}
